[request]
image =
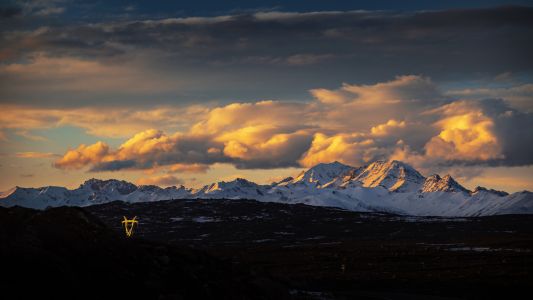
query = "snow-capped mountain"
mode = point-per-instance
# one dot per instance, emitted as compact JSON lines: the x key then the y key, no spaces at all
{"x":237,"y":189}
{"x":435,"y":183}
{"x":393,"y":175}
{"x":382,"y":186}
{"x":92,"y":191}
{"x":321,"y":175}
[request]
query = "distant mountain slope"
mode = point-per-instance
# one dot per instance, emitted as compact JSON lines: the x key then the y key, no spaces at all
{"x":382,"y":186}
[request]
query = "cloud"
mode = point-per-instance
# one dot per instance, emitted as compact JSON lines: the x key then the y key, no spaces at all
{"x":83,"y":155}
{"x":69,"y":74}
{"x":362,"y":106}
{"x":147,"y":149}
{"x":347,"y":148}
{"x":307,"y":59}
{"x":266,"y":134}
{"x":387,"y":128}
{"x":188,"y":168}
{"x":181,"y":57}
{"x":406,"y":118}
{"x":36,"y":155}
{"x":475,"y":132}
{"x":50,"y":11}
{"x":357,"y":148}
{"x":519,"y":96}
{"x":403,"y":89}
{"x":27,"y":134}
{"x":426,"y":127}
{"x":115,"y":122}
{"x":119,"y":77}
{"x":10,"y":11}
{"x":280,"y":150}
{"x":161,"y":180}
{"x":513,"y":129}
{"x":29,"y":8}
{"x":466,"y":134}
{"x":271,"y":116}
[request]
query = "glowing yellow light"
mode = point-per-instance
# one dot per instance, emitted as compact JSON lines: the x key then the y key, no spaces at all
{"x":128,"y":225}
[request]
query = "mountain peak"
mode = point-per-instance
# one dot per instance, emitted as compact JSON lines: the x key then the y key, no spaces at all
{"x":435,"y":183}
{"x":480,"y":189}
{"x":234,"y":184}
{"x":149,"y":188}
{"x":11,"y":191}
{"x":121,"y":186}
{"x":283,"y":181}
{"x":328,"y":184}
{"x":322,"y":173}
{"x":393,"y":175}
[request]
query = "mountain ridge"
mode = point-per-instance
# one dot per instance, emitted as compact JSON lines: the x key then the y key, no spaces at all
{"x":381,"y":186}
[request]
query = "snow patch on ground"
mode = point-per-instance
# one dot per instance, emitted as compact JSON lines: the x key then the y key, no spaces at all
{"x":205,"y":219}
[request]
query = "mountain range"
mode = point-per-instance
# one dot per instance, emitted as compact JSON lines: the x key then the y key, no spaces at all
{"x":382,"y":186}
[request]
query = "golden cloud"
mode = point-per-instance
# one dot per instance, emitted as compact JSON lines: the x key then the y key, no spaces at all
{"x":36,"y":155}
{"x":346,"y":148}
{"x":465,"y":137}
{"x":409,"y":88}
{"x":273,"y":115}
{"x":360,"y":107}
{"x":356,"y":124}
{"x":82,"y":156}
{"x":387,"y":128}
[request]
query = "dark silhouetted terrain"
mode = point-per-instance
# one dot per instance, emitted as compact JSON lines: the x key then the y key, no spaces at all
{"x":68,"y":253}
{"x":242,"y":249}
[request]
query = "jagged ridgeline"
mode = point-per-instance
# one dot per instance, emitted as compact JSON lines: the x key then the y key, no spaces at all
{"x":382,"y":186}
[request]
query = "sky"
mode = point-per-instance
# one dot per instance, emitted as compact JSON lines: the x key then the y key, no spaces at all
{"x":178,"y":92}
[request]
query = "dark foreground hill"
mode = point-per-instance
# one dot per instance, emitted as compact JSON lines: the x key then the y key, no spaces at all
{"x":66,"y":253}
{"x":242,"y":249}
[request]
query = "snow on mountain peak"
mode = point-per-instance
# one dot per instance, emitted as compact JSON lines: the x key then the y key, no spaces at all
{"x":480,"y":189}
{"x":223,"y":185}
{"x":283,"y":181}
{"x":97,"y":185}
{"x":393,"y":175}
{"x":322,"y":174}
{"x":9,"y":192}
{"x":435,"y":183}
{"x":388,"y":186}
{"x":149,"y":188}
{"x":237,"y":188}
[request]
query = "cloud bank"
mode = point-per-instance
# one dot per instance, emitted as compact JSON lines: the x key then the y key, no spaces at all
{"x":205,"y":58}
{"x":176,"y":91}
{"x":406,"y":118}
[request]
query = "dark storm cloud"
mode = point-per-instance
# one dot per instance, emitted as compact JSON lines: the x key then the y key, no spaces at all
{"x":513,"y":129}
{"x":241,"y":57}
{"x":114,"y":165}
{"x":10,"y":11}
{"x":439,"y":43}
